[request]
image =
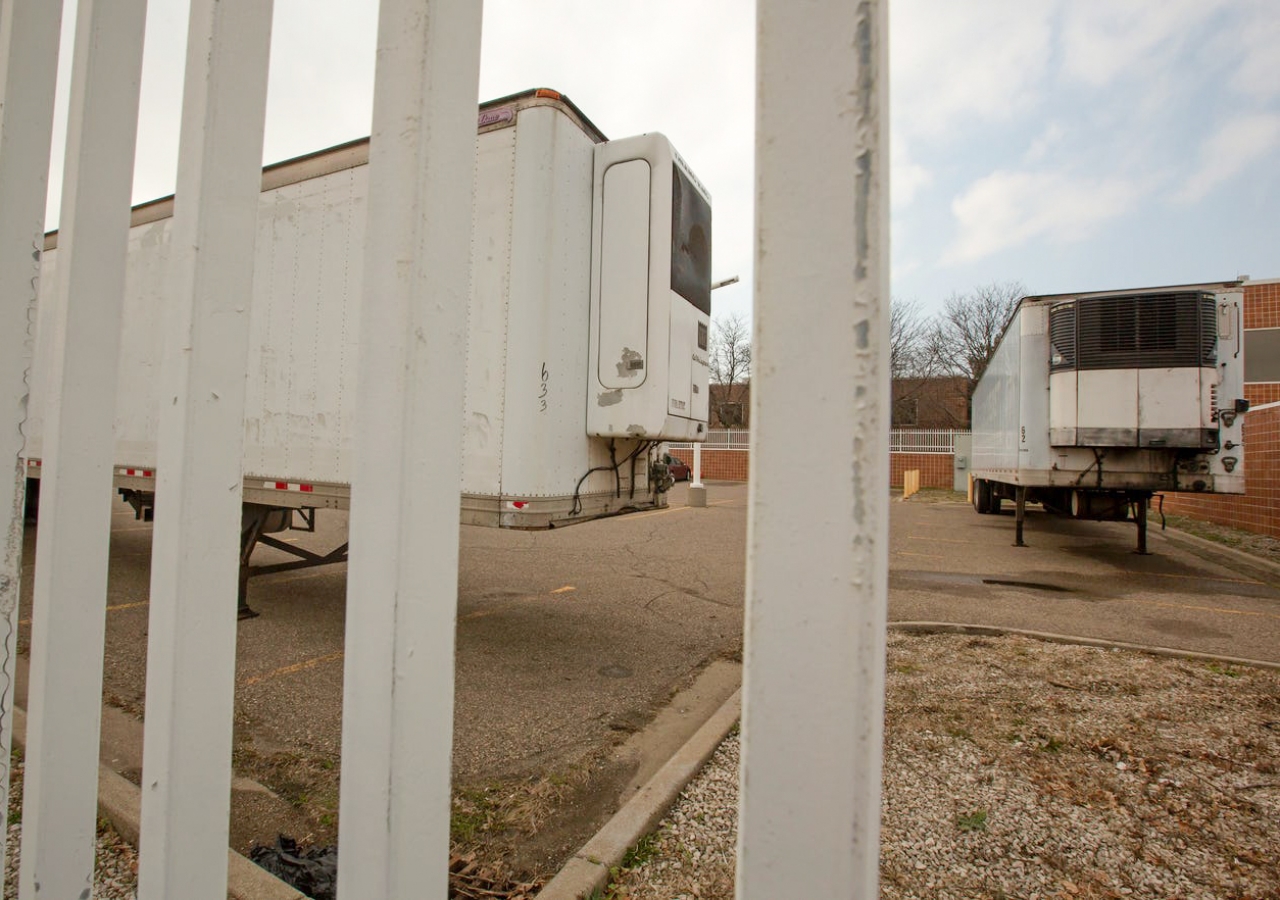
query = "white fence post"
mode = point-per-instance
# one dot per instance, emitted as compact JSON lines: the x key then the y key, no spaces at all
{"x":191,"y":646}
{"x":402,"y":579}
{"x":29,"y":32}
{"x":59,"y":819}
{"x":817,"y":564}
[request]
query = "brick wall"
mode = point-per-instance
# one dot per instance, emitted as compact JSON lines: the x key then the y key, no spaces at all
{"x":936,"y":469}
{"x":1262,"y":392}
{"x":1259,"y":508}
{"x":1262,"y":310}
{"x":1262,"y":305}
{"x":735,"y":465}
{"x":720,"y":465}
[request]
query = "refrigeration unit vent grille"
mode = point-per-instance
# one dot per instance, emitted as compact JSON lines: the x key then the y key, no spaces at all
{"x":1146,"y":331}
{"x":1062,"y":337}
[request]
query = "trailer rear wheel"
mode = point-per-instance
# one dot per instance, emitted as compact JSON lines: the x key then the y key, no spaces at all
{"x":982,"y":496}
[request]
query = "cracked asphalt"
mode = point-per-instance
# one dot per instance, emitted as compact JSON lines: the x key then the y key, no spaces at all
{"x":567,"y":639}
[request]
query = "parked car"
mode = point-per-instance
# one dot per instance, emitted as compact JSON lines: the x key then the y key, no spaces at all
{"x":679,"y":470}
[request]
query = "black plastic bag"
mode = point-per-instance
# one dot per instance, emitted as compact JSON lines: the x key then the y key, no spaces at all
{"x":313,"y":871}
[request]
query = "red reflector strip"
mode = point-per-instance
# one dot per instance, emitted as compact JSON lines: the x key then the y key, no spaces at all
{"x":289,"y":486}
{"x":137,"y":473}
{"x":519,"y":504}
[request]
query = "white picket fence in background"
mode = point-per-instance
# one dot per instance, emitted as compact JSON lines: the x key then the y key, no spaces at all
{"x":924,"y":440}
{"x":812,"y":758}
{"x":901,"y":440}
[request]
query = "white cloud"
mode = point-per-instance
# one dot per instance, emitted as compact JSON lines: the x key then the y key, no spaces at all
{"x":1230,"y":150}
{"x":906,"y":177}
{"x":1102,"y":41}
{"x":955,"y":62}
{"x":1052,"y":134}
{"x":1257,"y":44}
{"x":1006,"y":209}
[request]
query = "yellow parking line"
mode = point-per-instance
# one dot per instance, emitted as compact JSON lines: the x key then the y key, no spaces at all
{"x":671,"y":509}
{"x":926,"y":555}
{"x":1199,"y":577}
{"x":938,"y":540}
{"x":290,"y":670}
{"x":116,"y":608}
{"x":499,"y":607}
{"x":1213,"y":609}
{"x":286,"y":576}
{"x":134,"y":605}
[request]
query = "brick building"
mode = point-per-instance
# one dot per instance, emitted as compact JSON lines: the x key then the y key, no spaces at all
{"x":941,"y":402}
{"x":730,"y":405}
{"x":1259,"y":508}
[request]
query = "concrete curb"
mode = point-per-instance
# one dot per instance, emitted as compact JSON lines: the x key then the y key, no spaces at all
{"x":589,"y":867}
{"x":1243,"y":555}
{"x":120,"y":803}
{"x":1050,"y":637}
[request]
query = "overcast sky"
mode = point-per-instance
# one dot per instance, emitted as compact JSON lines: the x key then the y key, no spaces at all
{"x":1068,"y":144}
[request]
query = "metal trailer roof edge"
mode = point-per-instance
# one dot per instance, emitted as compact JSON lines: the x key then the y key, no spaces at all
{"x":1158,"y":289}
{"x":350,"y":154}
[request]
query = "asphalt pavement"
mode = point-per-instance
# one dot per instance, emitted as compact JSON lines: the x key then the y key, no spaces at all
{"x":571,"y":640}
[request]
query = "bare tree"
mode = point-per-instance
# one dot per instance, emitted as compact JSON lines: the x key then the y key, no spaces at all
{"x":908,"y":339}
{"x":965,"y":335}
{"x":730,"y":362}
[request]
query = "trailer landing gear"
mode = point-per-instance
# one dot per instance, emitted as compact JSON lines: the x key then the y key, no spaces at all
{"x":1020,"y":513}
{"x":1140,"y":504}
{"x":255,"y":524}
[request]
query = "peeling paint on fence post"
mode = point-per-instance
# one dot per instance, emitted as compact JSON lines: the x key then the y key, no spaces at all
{"x":29,"y":33}
{"x":191,"y":631}
{"x":817,"y":563}
{"x":402,"y":579}
{"x":60,"y":796}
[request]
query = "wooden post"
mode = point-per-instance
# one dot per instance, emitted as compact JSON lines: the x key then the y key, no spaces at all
{"x":814,"y":683}
{"x":29,"y":32}
{"x":60,"y":802}
{"x":402,"y":582}
{"x":191,"y":647}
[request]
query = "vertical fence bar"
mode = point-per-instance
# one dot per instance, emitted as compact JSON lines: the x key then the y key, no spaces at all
{"x":817,"y":564}
{"x":191,"y":646}
{"x":397,"y":728}
{"x":29,"y":32}
{"x":59,"y":817}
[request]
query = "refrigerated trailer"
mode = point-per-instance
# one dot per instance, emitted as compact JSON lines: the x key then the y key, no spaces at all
{"x":1093,"y":402}
{"x":587,"y":329}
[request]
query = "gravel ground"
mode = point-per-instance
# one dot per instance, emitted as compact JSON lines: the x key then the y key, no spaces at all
{"x":115,"y":874}
{"x":1019,"y":769}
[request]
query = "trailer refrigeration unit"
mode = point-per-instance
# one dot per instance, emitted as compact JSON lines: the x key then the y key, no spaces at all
{"x":587,"y":329}
{"x":1092,"y":402}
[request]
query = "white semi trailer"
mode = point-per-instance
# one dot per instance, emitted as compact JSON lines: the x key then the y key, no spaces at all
{"x":1092,"y":402}
{"x":587,"y":334}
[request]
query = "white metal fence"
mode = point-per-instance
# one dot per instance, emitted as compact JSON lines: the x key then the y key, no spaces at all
{"x":822,"y":212}
{"x":901,"y":440}
{"x":924,"y":440}
{"x":720,"y":439}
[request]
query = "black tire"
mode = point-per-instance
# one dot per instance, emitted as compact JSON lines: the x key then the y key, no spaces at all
{"x":981,"y":496}
{"x":993,"y":503}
